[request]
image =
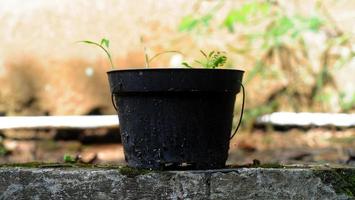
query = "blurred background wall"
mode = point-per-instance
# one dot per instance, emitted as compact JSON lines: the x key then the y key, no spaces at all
{"x":43,"y":70}
{"x":298,"y":56}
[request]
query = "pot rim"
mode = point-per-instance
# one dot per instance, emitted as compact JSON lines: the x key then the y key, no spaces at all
{"x":172,"y":69}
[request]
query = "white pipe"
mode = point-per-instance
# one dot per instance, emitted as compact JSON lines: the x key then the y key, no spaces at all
{"x":99,"y":121}
{"x":308,"y":119}
{"x":80,"y":122}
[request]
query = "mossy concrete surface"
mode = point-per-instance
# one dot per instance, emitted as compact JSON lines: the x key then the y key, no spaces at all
{"x":62,"y":182}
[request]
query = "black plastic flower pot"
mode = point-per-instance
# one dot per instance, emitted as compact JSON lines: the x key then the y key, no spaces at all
{"x":175,"y":118}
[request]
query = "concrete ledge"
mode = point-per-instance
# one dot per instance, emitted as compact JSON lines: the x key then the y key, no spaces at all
{"x":243,"y":183}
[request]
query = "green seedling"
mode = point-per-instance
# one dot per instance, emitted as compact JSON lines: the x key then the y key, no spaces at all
{"x":104,"y":45}
{"x":212,"y":60}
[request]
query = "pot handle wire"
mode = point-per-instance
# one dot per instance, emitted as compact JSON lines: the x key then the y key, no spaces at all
{"x":241,"y":113}
{"x":113,"y":101}
{"x":113,"y":95}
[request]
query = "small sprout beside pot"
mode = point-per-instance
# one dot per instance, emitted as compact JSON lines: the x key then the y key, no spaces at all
{"x":69,"y":159}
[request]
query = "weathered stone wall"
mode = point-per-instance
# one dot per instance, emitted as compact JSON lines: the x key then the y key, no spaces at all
{"x":244,"y":183}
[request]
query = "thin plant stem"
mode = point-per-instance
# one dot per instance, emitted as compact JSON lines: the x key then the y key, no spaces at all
{"x":103,"y":48}
{"x":158,"y":54}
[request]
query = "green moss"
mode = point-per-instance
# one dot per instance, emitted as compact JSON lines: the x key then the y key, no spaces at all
{"x":124,"y":170}
{"x":257,"y":164}
{"x":342,"y":179}
{"x":25,"y":165}
{"x":133,"y":172}
{"x":271,"y":165}
{"x":59,"y":165}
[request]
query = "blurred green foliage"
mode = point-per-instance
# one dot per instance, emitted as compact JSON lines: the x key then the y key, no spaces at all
{"x":3,"y":150}
{"x":277,"y":41}
{"x":346,"y":105}
{"x":189,"y":23}
{"x":243,"y":14}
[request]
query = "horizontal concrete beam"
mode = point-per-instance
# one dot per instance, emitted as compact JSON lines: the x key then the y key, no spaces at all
{"x":67,"y":122}
{"x":243,"y":183}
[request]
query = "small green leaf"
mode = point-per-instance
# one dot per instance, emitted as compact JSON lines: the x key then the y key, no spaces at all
{"x":105,"y":42}
{"x":213,"y":60}
{"x":199,"y":62}
{"x":186,"y":65}
{"x":204,"y":54}
{"x":211,"y":54}
{"x":88,"y":42}
{"x":219,"y":61}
